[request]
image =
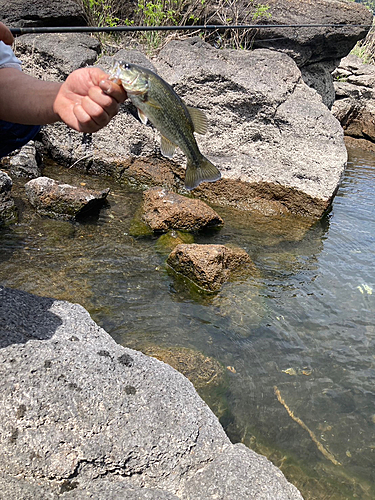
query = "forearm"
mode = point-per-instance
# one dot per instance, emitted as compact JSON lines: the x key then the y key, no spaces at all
{"x":27,"y":100}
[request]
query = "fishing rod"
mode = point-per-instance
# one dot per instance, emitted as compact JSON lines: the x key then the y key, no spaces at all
{"x":203,"y":27}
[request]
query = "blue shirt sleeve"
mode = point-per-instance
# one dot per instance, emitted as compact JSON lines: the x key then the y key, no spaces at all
{"x":7,"y":57}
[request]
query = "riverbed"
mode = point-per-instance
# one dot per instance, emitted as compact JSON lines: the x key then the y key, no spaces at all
{"x":295,"y":343}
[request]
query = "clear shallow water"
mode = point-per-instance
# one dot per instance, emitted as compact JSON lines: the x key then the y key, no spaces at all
{"x":299,"y":339}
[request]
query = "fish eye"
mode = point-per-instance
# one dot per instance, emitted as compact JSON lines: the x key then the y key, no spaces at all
{"x":127,"y":66}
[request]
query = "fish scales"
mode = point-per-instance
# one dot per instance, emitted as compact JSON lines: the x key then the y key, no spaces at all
{"x":157,"y":102}
{"x":170,"y":125}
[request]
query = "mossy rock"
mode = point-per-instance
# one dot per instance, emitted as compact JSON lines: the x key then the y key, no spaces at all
{"x":8,"y":215}
{"x":207,"y":374}
{"x":138,"y":228}
{"x":168,"y":241}
{"x":201,"y":370}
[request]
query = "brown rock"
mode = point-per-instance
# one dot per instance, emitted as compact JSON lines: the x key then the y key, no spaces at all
{"x":164,"y":210}
{"x":55,"y":199}
{"x":201,"y":370}
{"x":209,"y":266}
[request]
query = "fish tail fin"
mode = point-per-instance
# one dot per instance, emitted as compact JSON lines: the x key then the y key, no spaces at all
{"x":205,"y":172}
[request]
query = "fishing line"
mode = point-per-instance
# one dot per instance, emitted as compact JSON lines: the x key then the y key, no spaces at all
{"x":204,"y":27}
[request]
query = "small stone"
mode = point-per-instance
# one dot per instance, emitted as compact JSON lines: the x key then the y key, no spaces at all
{"x":164,"y":210}
{"x":209,"y":266}
{"x":8,"y":211}
{"x":58,"y":200}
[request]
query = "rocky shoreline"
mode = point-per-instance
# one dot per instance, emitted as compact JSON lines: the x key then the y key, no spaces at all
{"x":83,"y":417}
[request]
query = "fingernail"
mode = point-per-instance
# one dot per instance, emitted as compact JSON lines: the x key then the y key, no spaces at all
{"x":105,"y":86}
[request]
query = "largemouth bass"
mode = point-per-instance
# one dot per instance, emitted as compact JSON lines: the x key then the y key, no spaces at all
{"x":157,"y":102}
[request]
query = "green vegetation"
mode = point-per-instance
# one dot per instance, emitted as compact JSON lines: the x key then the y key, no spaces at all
{"x":178,"y":13}
{"x":362,"y":50}
{"x":100,"y":13}
{"x":370,"y":4}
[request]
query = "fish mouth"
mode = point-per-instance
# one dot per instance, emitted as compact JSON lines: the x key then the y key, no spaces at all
{"x":122,"y":74}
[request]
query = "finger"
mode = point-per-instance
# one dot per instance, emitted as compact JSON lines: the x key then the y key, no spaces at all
{"x":100,"y":115}
{"x":113,"y":90}
{"x":6,"y":35}
{"x":85,"y":122}
{"x":106,"y":102}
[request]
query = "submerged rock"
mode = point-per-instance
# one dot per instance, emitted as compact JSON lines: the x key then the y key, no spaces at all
{"x":168,"y":241}
{"x":201,"y":370}
{"x":209,"y":266}
{"x":55,"y":199}
{"x":8,"y":211}
{"x":164,"y":210}
{"x":207,"y":374}
{"x":83,"y":417}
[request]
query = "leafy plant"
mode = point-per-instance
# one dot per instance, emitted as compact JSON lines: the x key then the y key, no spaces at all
{"x":100,"y":13}
{"x":157,"y":13}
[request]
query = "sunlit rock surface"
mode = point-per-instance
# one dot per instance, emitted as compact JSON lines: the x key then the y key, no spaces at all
{"x":164,"y":210}
{"x":355,"y":92}
{"x":56,"y":199}
{"x":315,"y":47}
{"x":24,"y":162}
{"x":209,"y":266}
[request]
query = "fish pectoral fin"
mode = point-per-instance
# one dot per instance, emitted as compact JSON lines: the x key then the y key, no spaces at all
{"x":152,"y":103}
{"x":199,"y":120}
{"x":205,"y":172}
{"x":167,"y":147}
{"x":142,"y":116}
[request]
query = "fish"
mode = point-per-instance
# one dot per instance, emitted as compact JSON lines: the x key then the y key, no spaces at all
{"x":157,"y":102}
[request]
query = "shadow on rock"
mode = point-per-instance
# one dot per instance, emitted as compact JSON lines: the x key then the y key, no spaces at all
{"x":25,"y":317}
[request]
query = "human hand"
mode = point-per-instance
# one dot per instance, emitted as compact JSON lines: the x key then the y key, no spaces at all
{"x":87,"y":100}
{"x":5,"y":35}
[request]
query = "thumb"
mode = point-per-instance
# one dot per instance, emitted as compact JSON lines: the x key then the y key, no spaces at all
{"x":6,"y":35}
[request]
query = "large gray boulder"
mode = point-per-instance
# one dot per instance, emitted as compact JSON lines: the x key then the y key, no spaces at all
{"x":84,"y":417}
{"x":312,"y":44}
{"x":278,"y":147}
{"x":355,"y":93}
{"x":317,"y":50}
{"x":55,"y":55}
{"x":20,"y":13}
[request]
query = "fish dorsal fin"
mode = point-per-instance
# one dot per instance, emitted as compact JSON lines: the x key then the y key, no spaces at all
{"x":167,"y":147}
{"x":199,"y":120}
{"x":142,"y":116}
